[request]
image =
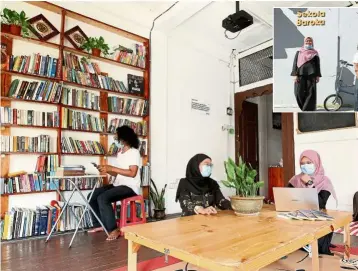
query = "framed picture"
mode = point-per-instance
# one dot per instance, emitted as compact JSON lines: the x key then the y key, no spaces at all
{"x":76,"y":37}
{"x":276,"y":121}
{"x":6,"y":52}
{"x":42,"y":28}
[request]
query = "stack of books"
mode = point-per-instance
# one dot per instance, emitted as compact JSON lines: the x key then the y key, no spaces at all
{"x":70,"y":170}
{"x":312,"y":215}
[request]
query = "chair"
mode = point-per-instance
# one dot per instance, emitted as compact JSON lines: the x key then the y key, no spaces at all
{"x":124,"y":220}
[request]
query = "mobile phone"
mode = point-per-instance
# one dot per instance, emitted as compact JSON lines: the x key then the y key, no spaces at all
{"x":94,"y":164}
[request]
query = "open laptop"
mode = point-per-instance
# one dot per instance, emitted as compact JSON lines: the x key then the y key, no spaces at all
{"x":292,"y":199}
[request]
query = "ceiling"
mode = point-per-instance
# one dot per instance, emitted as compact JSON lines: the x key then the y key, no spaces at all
{"x":201,"y":21}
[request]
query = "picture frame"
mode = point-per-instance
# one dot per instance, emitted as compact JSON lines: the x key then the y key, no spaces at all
{"x":276,"y":121}
{"x":76,"y":37}
{"x":135,"y":84}
{"x":42,"y":28}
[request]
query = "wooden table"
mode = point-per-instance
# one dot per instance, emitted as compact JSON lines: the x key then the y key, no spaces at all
{"x":228,"y":242}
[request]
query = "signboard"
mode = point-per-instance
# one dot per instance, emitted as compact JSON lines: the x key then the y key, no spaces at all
{"x":200,"y":107}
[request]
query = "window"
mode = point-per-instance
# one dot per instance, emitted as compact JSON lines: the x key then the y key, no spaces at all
{"x":255,"y":67}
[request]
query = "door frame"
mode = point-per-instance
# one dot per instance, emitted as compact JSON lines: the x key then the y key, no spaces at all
{"x":287,"y":132}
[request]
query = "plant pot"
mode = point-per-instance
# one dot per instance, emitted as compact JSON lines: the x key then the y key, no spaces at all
{"x":15,"y":29}
{"x":96,"y":52}
{"x":5,"y":28}
{"x":247,"y":205}
{"x":159,"y":214}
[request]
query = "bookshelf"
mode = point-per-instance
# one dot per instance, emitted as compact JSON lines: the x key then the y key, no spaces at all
{"x":61,"y":48}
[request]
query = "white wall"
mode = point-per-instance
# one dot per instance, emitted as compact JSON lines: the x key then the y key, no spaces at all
{"x":339,"y":153}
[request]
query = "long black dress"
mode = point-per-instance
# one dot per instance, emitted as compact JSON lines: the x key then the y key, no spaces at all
{"x":306,"y":87}
{"x":324,"y":242}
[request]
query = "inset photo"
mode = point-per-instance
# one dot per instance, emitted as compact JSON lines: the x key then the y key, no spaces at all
{"x":315,"y":59}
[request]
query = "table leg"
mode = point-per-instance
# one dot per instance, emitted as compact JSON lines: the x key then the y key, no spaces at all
{"x":59,"y":217}
{"x":132,"y":255}
{"x":315,"y":258}
{"x":84,"y":212}
{"x":347,"y":241}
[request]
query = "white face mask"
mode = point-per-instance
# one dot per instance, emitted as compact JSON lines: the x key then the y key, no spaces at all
{"x":119,"y":144}
{"x":308,"y":169}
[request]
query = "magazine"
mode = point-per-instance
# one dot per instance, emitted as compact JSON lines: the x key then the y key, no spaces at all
{"x":306,"y":215}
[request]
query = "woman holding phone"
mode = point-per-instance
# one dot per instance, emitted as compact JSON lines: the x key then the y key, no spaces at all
{"x":126,"y":184}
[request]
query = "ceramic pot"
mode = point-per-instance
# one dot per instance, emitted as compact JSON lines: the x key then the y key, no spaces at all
{"x":96,"y":52}
{"x":247,"y":205}
{"x":5,"y":28}
{"x":159,"y":214}
{"x":15,"y":29}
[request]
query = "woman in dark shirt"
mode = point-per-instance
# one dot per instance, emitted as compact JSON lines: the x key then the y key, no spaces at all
{"x":306,"y":71}
{"x":312,"y":176}
{"x":198,"y":193}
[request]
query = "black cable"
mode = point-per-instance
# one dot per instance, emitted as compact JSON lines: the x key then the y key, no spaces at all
{"x":233,"y":37}
{"x":304,"y":258}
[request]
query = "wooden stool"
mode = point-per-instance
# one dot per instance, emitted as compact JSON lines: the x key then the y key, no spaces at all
{"x":124,"y":220}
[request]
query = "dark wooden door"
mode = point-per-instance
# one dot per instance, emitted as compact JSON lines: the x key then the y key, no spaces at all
{"x":248,"y":135}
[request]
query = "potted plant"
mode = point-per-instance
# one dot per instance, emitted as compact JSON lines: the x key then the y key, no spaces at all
{"x":96,"y":46}
{"x":16,"y":22}
{"x":241,"y":177}
{"x":158,"y":200}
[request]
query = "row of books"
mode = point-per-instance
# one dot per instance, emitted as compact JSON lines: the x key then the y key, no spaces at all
{"x":76,"y":120}
{"x":47,"y":163}
{"x":69,"y":145}
{"x":10,"y":115}
{"x":93,"y":80}
{"x":113,"y":149}
{"x":25,"y":222}
{"x":41,"y":143}
{"x":145,"y":175}
{"x":82,"y":64}
{"x":34,"y":64}
{"x":141,"y":127}
{"x":131,"y":59}
{"x":136,"y":107}
{"x":80,"y":98}
{"x":313,"y":215}
{"x":36,"y":91}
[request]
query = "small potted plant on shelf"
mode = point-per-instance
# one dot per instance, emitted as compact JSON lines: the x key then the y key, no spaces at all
{"x":241,"y":177}
{"x":158,"y":200}
{"x":96,"y":46}
{"x":13,"y":22}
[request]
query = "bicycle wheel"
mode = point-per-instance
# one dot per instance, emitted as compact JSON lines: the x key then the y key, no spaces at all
{"x":333,"y":102}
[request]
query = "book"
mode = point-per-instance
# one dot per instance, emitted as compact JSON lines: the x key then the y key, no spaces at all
{"x":39,"y":143}
{"x":135,"y":84}
{"x":80,"y":98}
{"x":140,"y":128}
{"x":128,"y":106}
{"x":76,"y":120}
{"x":69,"y":145}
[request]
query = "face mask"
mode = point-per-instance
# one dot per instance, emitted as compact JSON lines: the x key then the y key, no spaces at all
{"x":118,"y":144}
{"x":308,"y":47}
{"x":308,"y":169}
{"x":206,"y":171}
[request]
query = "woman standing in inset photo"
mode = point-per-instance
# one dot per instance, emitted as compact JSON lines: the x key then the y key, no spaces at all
{"x":306,"y":71}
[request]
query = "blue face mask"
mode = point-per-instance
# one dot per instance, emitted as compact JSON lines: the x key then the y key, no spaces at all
{"x":308,"y":47}
{"x":118,"y":144}
{"x":206,"y":171}
{"x":308,"y":169}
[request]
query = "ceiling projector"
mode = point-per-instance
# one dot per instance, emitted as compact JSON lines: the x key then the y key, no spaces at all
{"x":237,"y":21}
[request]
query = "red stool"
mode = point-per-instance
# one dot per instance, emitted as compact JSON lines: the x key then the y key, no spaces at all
{"x":124,"y":220}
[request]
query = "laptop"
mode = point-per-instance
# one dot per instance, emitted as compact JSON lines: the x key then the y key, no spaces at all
{"x":292,"y":199}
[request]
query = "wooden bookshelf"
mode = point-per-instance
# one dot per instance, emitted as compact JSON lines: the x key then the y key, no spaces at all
{"x":40,"y":192}
{"x":6,"y":79}
{"x":103,"y":59}
{"x":28,"y":126}
{"x":31,"y":40}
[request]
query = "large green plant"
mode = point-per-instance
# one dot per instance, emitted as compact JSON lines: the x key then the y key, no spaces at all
{"x":9,"y":16}
{"x":242,"y":178}
{"x":156,"y":197}
{"x":98,"y":43}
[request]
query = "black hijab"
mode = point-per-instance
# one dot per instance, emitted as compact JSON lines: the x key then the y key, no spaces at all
{"x":194,"y":181}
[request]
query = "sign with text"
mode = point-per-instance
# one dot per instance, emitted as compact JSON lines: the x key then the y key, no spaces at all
{"x":200,"y":107}
{"x":311,"y":18}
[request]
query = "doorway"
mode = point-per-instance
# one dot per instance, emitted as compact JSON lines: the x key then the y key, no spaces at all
{"x":249,"y":135}
{"x":248,"y":139}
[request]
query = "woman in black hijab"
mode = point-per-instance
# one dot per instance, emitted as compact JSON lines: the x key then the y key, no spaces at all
{"x":198,"y":193}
